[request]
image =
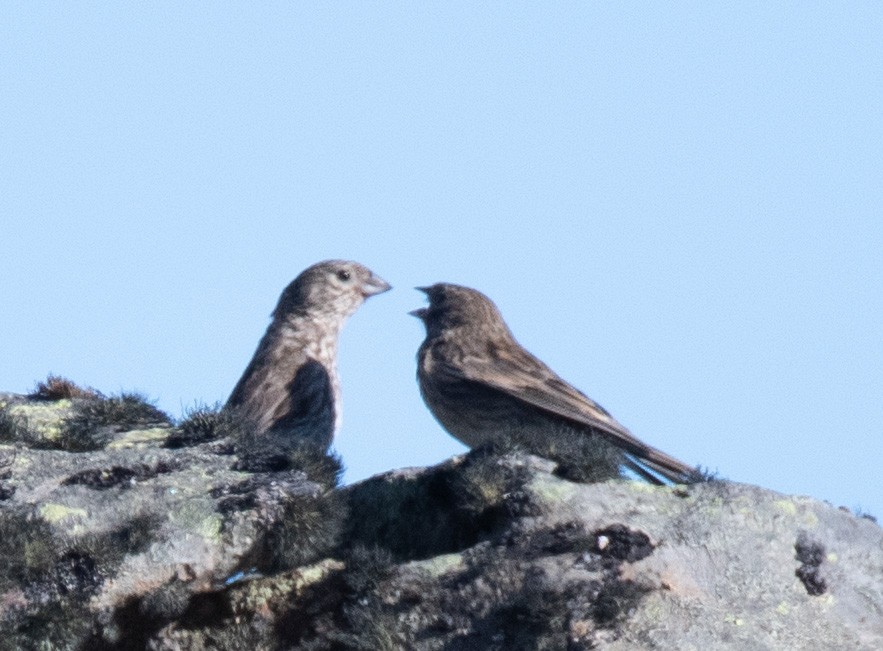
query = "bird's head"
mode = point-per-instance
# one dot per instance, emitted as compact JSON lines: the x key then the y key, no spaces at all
{"x":457,"y":308}
{"x":335,"y":287}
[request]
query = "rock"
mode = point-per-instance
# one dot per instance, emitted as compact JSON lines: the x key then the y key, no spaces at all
{"x":89,"y":538}
{"x":138,"y":545}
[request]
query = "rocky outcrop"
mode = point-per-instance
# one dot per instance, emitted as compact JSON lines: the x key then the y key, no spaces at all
{"x":122,"y":530}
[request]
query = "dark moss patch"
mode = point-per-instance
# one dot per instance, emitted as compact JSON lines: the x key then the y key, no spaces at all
{"x":533,"y":617}
{"x":7,"y":458}
{"x":584,"y":458}
{"x":366,"y":568}
{"x":14,"y":429}
{"x":564,"y":538}
{"x":276,"y":453}
{"x":864,"y":515}
{"x":581,"y":457}
{"x":202,"y":424}
{"x":534,"y":612}
{"x":621,"y":543}
{"x":26,"y":547}
{"x":615,"y":599}
{"x":56,"y":387}
{"x":94,"y":421}
{"x":310,"y":528}
{"x":63,"y":624}
{"x":434,"y":513}
{"x":498,"y":601}
{"x":176,"y":600}
{"x":811,"y":555}
{"x":118,"y":476}
{"x":55,"y":577}
{"x":702,"y":474}
{"x":131,"y":628}
{"x":298,"y":522}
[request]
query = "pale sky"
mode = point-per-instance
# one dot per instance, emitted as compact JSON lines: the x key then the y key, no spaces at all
{"x":678,"y":207}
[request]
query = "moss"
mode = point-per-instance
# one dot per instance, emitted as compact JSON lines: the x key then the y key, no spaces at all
{"x":274,"y":453}
{"x":55,"y":577}
{"x":498,"y":602}
{"x":811,"y":555}
{"x":310,"y":528}
{"x":208,"y":423}
{"x":14,"y":428}
{"x":118,"y":476}
{"x":581,"y":457}
{"x":326,"y":469}
{"x":703,"y":474}
{"x":94,"y":421}
{"x":55,"y":387}
{"x":64,"y":626}
{"x":443,"y":511}
{"x":367,"y":568}
{"x":621,"y":543}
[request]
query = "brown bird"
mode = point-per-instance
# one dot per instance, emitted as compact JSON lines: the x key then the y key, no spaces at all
{"x":291,"y":389}
{"x":482,"y":386}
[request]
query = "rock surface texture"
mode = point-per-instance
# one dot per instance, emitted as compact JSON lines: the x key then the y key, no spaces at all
{"x":122,"y":530}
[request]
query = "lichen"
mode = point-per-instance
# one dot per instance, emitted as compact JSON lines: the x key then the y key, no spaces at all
{"x":140,"y":438}
{"x":439,"y":565}
{"x":55,"y":513}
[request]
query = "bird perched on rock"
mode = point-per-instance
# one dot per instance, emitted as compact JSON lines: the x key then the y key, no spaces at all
{"x":290,"y":389}
{"x":482,"y":386}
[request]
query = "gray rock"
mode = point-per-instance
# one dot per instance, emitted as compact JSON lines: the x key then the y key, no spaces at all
{"x":133,"y":546}
{"x":126,"y":521}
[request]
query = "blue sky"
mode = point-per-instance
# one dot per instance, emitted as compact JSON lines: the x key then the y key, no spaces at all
{"x":679,"y":208}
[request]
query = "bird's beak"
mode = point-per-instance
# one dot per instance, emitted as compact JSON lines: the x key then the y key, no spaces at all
{"x":421,"y":312}
{"x":375,"y":285}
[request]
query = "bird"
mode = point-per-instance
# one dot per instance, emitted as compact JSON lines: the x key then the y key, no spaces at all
{"x":482,"y":386}
{"x":290,"y":390}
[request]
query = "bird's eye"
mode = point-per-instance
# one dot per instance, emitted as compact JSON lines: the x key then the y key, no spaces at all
{"x":343,"y":275}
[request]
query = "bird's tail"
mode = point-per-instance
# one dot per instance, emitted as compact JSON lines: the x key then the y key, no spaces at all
{"x":657,"y":467}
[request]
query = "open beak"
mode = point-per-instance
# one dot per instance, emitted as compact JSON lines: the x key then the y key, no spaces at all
{"x":421,"y":312}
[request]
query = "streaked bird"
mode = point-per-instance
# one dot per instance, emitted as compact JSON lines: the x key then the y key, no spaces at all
{"x":482,"y":386}
{"x":291,"y":390}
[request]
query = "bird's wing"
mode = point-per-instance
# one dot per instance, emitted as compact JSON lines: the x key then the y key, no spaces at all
{"x":247,"y":397}
{"x":522,"y":376}
{"x":304,"y":403}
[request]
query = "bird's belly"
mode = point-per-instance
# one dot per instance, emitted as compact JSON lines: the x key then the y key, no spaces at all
{"x":492,"y":424}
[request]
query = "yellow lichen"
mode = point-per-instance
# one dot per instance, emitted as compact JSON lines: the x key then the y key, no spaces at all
{"x":440,"y":565}
{"x":787,"y":506}
{"x":552,"y":490}
{"x":140,"y":438}
{"x":54,"y":513}
{"x":44,"y":419}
